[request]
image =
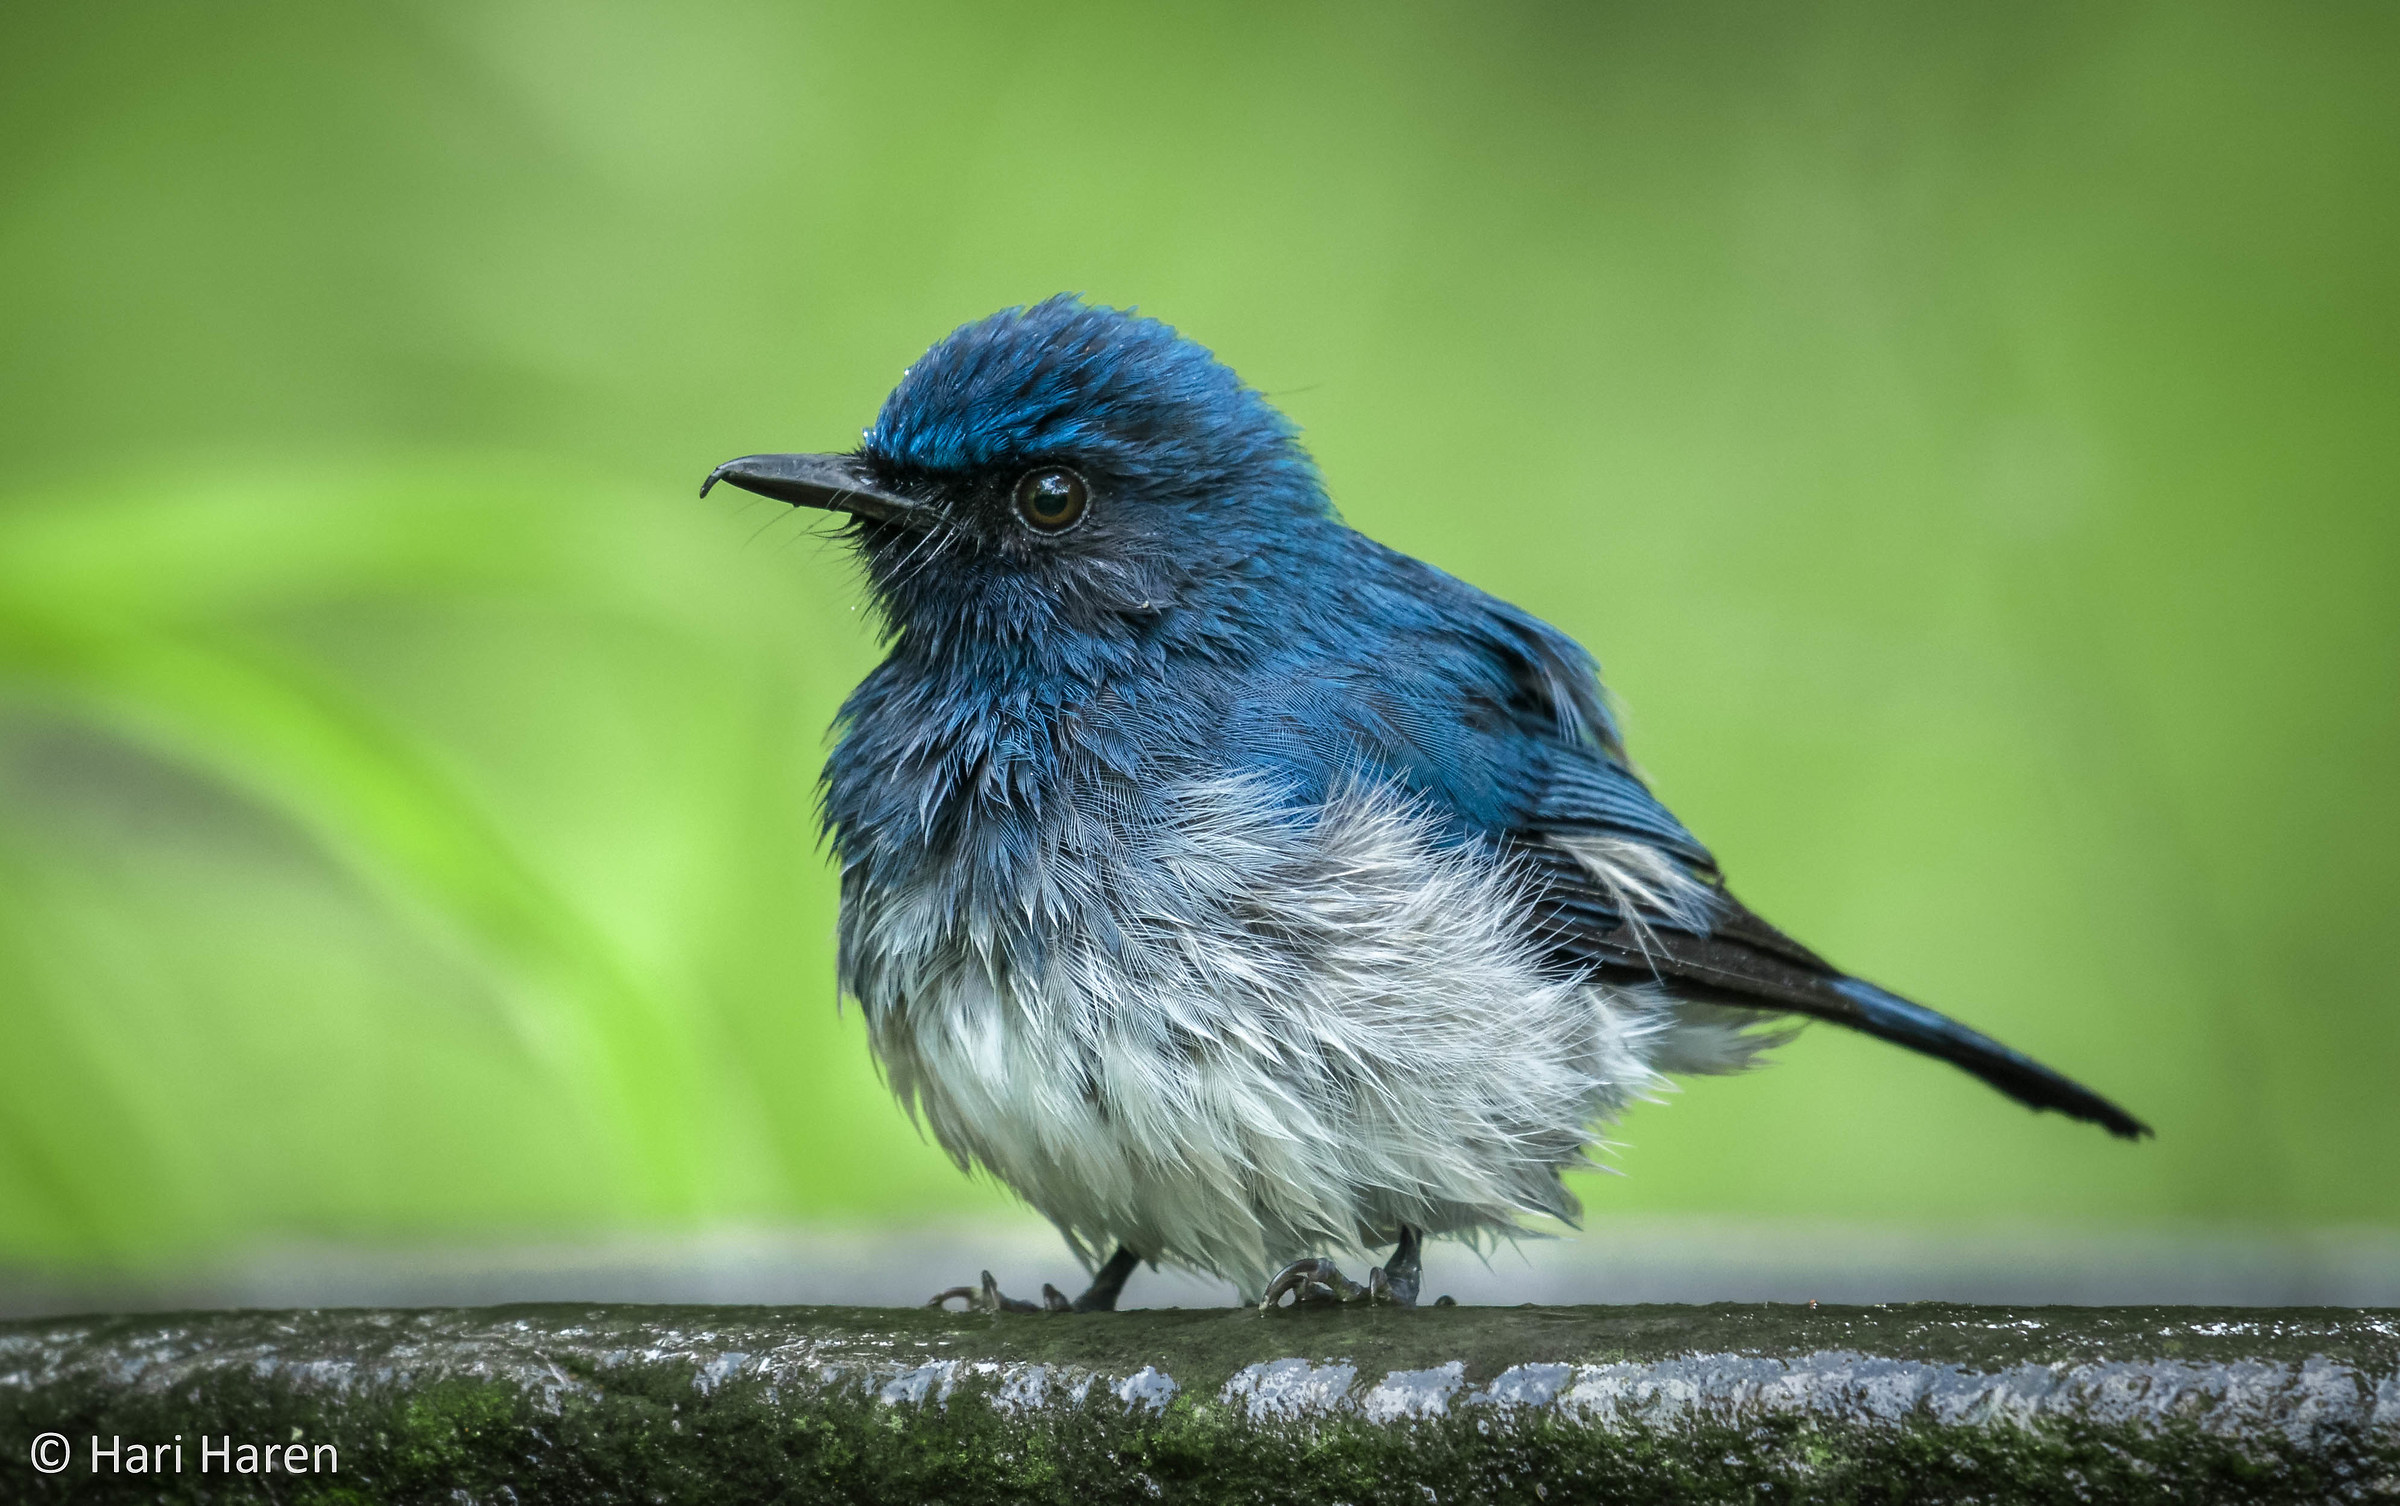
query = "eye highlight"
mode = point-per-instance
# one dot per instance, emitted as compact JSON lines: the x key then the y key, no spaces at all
{"x":1051,"y":499}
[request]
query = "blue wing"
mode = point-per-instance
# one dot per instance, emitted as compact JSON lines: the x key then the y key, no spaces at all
{"x":1496,"y":721}
{"x":1493,"y":717}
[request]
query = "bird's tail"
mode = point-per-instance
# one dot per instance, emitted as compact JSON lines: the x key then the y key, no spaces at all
{"x":1733,"y":957}
{"x":1892,"y":1018}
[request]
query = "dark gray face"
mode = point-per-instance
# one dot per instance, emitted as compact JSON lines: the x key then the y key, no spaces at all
{"x":1009,"y":549}
{"x":1025,"y":513}
{"x":1026,"y":505}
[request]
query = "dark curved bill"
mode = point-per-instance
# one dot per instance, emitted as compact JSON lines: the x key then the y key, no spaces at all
{"x":834,"y":482}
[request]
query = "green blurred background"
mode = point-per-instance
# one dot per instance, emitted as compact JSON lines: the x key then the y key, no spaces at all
{"x":1967,"y":433}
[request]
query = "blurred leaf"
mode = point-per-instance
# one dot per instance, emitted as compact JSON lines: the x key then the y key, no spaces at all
{"x":200,"y":633}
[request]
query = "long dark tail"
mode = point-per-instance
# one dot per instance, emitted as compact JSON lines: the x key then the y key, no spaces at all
{"x":1892,"y":1018}
{"x":1746,"y":962}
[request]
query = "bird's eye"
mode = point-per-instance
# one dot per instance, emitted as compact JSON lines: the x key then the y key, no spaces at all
{"x":1051,"y":499}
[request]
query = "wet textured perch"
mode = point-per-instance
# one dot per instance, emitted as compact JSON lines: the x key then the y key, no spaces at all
{"x":577,"y":1404}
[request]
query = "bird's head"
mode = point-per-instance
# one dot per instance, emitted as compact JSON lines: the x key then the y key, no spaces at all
{"x":1060,"y":469}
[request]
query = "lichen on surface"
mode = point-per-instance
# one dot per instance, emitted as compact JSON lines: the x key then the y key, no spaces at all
{"x":574,"y":1404}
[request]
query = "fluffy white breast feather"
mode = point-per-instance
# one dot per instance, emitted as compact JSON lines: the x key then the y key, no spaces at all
{"x":1265,"y":1033}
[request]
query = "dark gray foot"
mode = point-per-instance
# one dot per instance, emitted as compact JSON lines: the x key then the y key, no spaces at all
{"x":1395,"y":1281}
{"x":1099,"y":1297}
{"x":1316,"y":1283}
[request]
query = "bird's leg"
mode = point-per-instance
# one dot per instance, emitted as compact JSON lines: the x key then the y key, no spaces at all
{"x":1396,"y":1280}
{"x":1318,"y":1281}
{"x":1100,"y":1297}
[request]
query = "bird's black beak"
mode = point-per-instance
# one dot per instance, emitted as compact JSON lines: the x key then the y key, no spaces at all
{"x":834,"y":482}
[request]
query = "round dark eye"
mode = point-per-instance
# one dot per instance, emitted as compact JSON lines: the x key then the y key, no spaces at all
{"x":1051,"y":498}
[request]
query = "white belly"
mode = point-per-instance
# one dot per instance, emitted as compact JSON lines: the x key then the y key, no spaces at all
{"x":1248,"y":1037}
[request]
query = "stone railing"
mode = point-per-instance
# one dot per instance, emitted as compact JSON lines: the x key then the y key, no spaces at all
{"x":578,"y":1404}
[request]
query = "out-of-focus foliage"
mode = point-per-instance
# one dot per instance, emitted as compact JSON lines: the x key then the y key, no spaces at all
{"x":1966,"y":433}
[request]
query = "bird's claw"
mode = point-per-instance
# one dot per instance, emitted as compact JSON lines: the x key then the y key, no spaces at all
{"x":1320,"y":1283}
{"x":989,"y":1298}
{"x":1101,"y":1297}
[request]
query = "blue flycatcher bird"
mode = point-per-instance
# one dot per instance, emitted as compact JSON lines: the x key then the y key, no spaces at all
{"x":1236,"y":889}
